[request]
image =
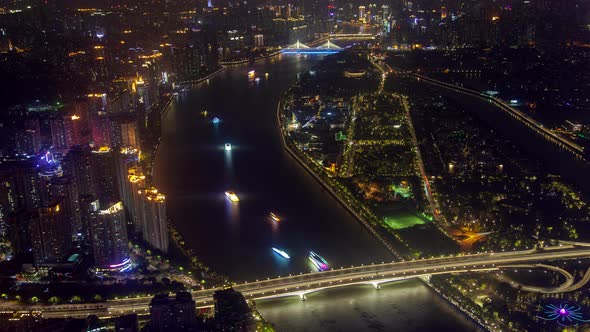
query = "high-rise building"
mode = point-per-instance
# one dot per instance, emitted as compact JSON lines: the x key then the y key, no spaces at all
{"x":123,"y":130}
{"x":27,"y":137}
{"x":178,"y":314}
{"x":20,"y":185}
{"x":103,"y":169}
{"x":109,"y":236}
{"x":154,"y":225}
{"x":126,"y":160}
{"x":78,"y":165}
{"x":361,"y":14}
{"x":50,"y":233}
{"x":136,"y":181}
{"x":258,"y":40}
{"x":66,"y":131}
{"x":101,"y":129}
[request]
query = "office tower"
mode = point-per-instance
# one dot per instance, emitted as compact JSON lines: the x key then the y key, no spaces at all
{"x":154,"y":225}
{"x":108,"y":235}
{"x":50,"y":233}
{"x":168,"y":314}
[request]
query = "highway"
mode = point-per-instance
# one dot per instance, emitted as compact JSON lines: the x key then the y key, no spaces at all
{"x":302,"y":284}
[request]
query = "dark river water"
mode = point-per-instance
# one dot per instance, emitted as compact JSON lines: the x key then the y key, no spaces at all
{"x":193,"y":170}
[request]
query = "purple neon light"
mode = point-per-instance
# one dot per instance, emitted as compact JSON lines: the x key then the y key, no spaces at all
{"x":125,"y":261}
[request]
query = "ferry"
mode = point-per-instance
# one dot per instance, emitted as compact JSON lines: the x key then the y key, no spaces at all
{"x":274,"y":217}
{"x":232,"y":196}
{"x":318,"y":261}
{"x":227,"y":146}
{"x":281,"y":253}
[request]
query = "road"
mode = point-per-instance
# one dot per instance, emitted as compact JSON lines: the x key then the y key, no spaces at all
{"x":565,"y":144}
{"x":301,"y":284}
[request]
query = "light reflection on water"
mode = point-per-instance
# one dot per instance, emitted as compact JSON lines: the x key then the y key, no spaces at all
{"x":401,"y":306}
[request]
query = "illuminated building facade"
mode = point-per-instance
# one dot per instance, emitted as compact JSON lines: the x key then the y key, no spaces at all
{"x":109,"y":236}
{"x":155,"y":223}
{"x":126,"y":160}
{"x":361,"y":14}
{"x":258,"y":40}
{"x":134,"y":202}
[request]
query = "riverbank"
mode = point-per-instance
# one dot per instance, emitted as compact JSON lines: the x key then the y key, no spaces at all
{"x":309,"y":168}
{"x":239,"y":62}
{"x":329,"y":188}
{"x":199,"y":80}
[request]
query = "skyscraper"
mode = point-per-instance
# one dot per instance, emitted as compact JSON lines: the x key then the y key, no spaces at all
{"x":154,"y":225}
{"x":136,"y":181}
{"x":109,"y":236}
{"x":103,"y":169}
{"x":50,"y":233}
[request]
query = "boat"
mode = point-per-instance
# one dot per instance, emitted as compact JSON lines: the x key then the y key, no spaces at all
{"x":251,"y":73}
{"x":281,"y":253}
{"x":318,"y":261}
{"x":275,"y":217}
{"x":232,"y":196}
{"x":216,"y":120}
{"x":227,"y":147}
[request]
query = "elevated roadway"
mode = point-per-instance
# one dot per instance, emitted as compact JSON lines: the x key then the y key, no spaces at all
{"x":302,"y":284}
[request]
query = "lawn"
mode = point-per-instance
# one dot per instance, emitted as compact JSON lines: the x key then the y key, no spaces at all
{"x":403,"y":219}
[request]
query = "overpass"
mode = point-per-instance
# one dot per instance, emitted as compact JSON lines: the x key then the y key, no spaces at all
{"x":302,"y":284}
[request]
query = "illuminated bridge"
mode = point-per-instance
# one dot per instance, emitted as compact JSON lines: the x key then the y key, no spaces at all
{"x":374,"y":274}
{"x":300,"y":48}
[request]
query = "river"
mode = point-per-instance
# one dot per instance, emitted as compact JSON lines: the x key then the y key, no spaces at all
{"x":193,"y":170}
